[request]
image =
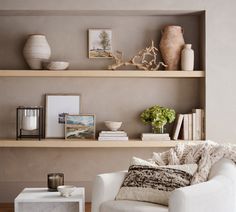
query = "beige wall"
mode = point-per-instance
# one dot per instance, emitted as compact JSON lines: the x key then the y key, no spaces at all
{"x":26,"y":167}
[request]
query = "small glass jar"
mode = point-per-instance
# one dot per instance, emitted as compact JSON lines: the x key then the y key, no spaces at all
{"x":30,"y":119}
{"x":29,"y":122}
{"x":55,"y":180}
{"x":158,"y":130}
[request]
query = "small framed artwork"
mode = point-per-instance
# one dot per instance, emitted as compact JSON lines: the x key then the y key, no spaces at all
{"x":99,"y":43}
{"x":57,"y":106}
{"x":79,"y":127}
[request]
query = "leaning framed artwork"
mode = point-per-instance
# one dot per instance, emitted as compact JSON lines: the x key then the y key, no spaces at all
{"x":80,"y":126}
{"x":57,"y":106}
{"x":99,"y":43}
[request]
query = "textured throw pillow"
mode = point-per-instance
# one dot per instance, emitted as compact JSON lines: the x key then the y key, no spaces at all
{"x":148,"y":182}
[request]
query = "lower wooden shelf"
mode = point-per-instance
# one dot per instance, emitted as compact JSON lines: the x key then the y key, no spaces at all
{"x":61,"y":143}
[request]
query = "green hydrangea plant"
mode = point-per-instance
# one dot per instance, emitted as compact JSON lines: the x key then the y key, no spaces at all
{"x":158,"y":117}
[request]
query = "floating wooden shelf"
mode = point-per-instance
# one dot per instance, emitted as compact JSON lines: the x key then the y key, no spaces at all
{"x":61,"y":143}
{"x":102,"y":73}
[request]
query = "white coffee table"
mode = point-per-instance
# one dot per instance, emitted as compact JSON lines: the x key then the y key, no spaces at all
{"x":41,"y":200}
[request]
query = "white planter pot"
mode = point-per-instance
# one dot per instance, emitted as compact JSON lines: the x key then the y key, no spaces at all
{"x":187,"y":58}
{"x":36,"y":50}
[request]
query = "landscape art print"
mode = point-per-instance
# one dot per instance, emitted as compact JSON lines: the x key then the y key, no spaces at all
{"x":80,"y":127}
{"x":100,"y":43}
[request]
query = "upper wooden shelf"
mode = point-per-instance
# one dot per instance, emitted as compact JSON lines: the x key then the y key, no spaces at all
{"x":69,"y":12}
{"x":61,"y":143}
{"x":102,"y":73}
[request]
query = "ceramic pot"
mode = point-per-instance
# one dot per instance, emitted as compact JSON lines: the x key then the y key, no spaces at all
{"x":187,"y":58}
{"x":36,"y":50}
{"x":171,"y":44}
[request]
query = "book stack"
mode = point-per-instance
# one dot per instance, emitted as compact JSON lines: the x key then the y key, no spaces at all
{"x":155,"y":137}
{"x":189,"y":126}
{"x":113,"y":136}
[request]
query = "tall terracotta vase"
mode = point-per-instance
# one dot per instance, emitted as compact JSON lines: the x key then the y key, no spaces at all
{"x":171,"y":44}
{"x":36,"y":50}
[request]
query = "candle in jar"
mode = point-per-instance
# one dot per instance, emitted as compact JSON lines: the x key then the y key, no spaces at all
{"x":30,"y":119}
{"x":55,"y":180}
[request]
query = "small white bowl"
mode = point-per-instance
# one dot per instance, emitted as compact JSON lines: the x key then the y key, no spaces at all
{"x":66,"y":190}
{"x":57,"y":65}
{"x":113,"y":125}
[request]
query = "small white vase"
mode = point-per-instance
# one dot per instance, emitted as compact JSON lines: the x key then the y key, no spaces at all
{"x":187,"y":58}
{"x":36,"y":50}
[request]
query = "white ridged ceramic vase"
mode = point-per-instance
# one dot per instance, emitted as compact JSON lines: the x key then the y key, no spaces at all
{"x":36,"y":50}
{"x":187,"y":58}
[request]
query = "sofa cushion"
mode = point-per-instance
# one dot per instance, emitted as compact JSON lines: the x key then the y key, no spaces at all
{"x":131,"y":206}
{"x":152,"y":183}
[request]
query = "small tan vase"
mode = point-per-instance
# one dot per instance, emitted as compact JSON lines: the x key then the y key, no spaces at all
{"x":171,"y":44}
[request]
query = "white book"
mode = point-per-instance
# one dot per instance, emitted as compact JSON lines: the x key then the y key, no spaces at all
{"x":177,"y":127}
{"x":153,"y":135}
{"x":113,"y":138}
{"x":190,"y":126}
{"x":185,"y":127}
{"x":198,"y":123}
{"x":202,"y":124}
{"x":156,"y":139}
{"x":194,"y":127}
{"x":112,"y":134}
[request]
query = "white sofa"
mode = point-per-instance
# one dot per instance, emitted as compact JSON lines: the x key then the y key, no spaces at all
{"x":218,"y":194}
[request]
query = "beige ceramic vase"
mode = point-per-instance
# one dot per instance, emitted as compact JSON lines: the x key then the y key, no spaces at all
{"x":36,"y":51}
{"x":171,"y":44}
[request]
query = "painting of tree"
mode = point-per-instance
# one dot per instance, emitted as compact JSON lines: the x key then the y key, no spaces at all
{"x":105,"y":41}
{"x":100,"y":43}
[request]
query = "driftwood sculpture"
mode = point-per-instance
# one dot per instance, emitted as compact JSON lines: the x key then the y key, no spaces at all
{"x":146,"y":59}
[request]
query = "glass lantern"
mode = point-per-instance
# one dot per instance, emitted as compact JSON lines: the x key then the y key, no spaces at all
{"x":29,"y":122}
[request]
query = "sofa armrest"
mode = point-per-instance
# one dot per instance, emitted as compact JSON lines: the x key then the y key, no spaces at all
{"x":106,"y":187}
{"x":215,"y":195}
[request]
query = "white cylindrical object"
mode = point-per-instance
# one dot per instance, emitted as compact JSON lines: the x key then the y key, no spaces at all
{"x":30,"y":120}
{"x":36,"y":50}
{"x":187,"y":58}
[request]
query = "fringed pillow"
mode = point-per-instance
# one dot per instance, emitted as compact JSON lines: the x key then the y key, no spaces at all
{"x":148,"y":182}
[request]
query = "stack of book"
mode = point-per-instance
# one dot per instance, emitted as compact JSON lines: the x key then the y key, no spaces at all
{"x":155,"y":137}
{"x":190,"y":126}
{"x":113,"y":136}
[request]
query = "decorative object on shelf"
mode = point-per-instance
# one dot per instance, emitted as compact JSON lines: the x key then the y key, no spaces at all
{"x":80,"y":127}
{"x":57,"y":65}
{"x":66,"y":190}
{"x":187,"y":58}
{"x":158,"y":117}
{"x":113,"y":125}
{"x":171,"y":44}
{"x":146,"y":59}
{"x":29,"y":122}
{"x":57,"y":106}
{"x":55,"y":180}
{"x":100,"y":43}
{"x":36,"y":51}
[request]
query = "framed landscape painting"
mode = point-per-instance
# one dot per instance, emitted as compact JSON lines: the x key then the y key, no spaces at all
{"x":57,"y":106}
{"x":99,"y":43}
{"x":79,"y":127}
